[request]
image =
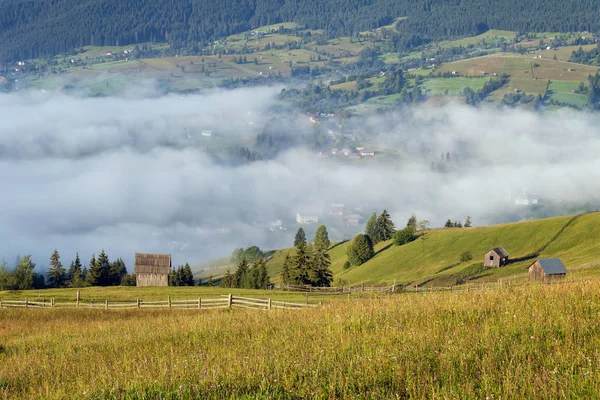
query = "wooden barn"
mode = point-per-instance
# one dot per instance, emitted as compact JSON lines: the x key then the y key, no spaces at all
{"x":496,"y":257}
{"x":152,"y":269}
{"x":547,"y":270}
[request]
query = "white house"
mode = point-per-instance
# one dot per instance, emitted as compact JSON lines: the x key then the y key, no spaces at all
{"x":307,"y":219}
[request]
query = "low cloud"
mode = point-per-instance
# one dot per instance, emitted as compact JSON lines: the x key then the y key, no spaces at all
{"x":131,"y":174}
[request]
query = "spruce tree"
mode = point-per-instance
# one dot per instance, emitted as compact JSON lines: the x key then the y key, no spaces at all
{"x":117,"y":271}
{"x":253,"y":281}
{"x":285,"y":271}
{"x":468,"y":222}
{"x":300,"y":237}
{"x":371,"y":227}
{"x":187,"y":275}
{"x":56,"y":272}
{"x":321,"y":274}
{"x":241,"y":278}
{"x":264,"y":281}
{"x":385,"y":227}
{"x":210,"y":281}
{"x":76,"y":273}
{"x":300,"y":270}
{"x":322,"y":238}
{"x":88,"y":275}
{"x":227,"y":280}
{"x":99,"y":274}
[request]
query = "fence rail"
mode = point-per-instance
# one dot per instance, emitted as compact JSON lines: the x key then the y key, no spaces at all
{"x":229,"y":301}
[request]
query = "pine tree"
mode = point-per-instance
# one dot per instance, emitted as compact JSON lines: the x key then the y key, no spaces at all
{"x":76,"y":273}
{"x":210,"y":281}
{"x":241,"y":278}
{"x":385,"y":227}
{"x":99,"y":274}
{"x":448,"y":224}
{"x":117,"y":271}
{"x":371,"y":227}
{"x":88,"y":276}
{"x":322,"y":238}
{"x":264,"y":281}
{"x":321,"y":274}
{"x":227,"y":280}
{"x":300,"y":267}
{"x":56,"y":272}
{"x":300,"y":237}
{"x":187,"y":275}
{"x":253,"y":281}
{"x":285,"y":271}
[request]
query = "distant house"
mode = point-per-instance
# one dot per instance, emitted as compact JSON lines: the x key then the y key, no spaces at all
{"x":307,"y":219}
{"x":109,"y":53}
{"x":547,"y":270}
{"x":496,"y":257}
{"x":152,"y":269}
{"x":367,"y":152}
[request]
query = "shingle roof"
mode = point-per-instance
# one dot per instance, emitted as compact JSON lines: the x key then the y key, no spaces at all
{"x":152,"y":263}
{"x":500,"y":251}
{"x":552,"y":266}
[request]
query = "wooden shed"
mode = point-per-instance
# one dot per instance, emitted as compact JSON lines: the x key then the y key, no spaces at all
{"x":496,"y":257}
{"x":152,"y":269}
{"x":547,"y":270}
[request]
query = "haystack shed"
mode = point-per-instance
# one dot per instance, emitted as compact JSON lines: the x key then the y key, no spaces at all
{"x":152,"y":269}
{"x":547,"y":270}
{"x":496,"y":257}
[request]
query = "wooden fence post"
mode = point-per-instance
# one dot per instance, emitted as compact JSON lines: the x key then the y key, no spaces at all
{"x":77,"y":300}
{"x":26,"y":302}
{"x":306,"y":298}
{"x":52,"y":303}
{"x":139,"y":303}
{"x":269,"y":303}
{"x":169,"y":300}
{"x":0,"y":303}
{"x":229,"y":300}
{"x":106,"y":304}
{"x":199,"y":303}
{"x":394,"y":287}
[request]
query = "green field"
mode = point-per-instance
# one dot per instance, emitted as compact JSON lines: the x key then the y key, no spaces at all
{"x":563,"y":91}
{"x":434,"y":260}
{"x":453,"y":86}
{"x":532,"y":341}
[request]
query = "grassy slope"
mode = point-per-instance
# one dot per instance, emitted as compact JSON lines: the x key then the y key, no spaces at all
{"x":436,"y":258}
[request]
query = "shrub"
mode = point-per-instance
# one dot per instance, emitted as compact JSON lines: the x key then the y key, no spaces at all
{"x":360,"y":250}
{"x":466,"y":256}
{"x":404,"y":236}
{"x":347,"y":265}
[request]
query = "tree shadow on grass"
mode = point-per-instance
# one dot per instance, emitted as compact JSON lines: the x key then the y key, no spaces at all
{"x":383,"y":249}
{"x":337,"y":244}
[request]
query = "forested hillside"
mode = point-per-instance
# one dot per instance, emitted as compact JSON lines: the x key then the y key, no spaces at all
{"x":34,"y":28}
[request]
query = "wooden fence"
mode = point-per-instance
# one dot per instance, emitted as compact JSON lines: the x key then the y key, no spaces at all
{"x":227,"y":301}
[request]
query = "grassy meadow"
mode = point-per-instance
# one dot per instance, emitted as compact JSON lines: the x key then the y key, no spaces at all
{"x":531,"y":341}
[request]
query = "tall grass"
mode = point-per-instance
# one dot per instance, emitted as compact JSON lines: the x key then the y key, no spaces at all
{"x":519,"y":342}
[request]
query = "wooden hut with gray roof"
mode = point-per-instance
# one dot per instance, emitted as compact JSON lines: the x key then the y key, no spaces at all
{"x":547,"y":270}
{"x":152,"y":269}
{"x":496,"y":257}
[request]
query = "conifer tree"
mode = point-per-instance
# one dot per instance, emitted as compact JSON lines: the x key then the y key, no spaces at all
{"x":321,"y":274}
{"x":300,"y":270}
{"x":285,"y":270}
{"x":412,"y":221}
{"x":264,"y":281}
{"x":300,"y":237}
{"x":371,"y":227}
{"x":468,"y":222}
{"x":227,"y":280}
{"x":253,"y":281}
{"x":322,"y":238}
{"x":76,"y":273}
{"x":87,"y":274}
{"x":117,"y":271}
{"x":385,"y":227}
{"x":56,"y":272}
{"x":187,"y":275}
{"x":241,"y":278}
{"x":210,"y":281}
{"x":100,"y":273}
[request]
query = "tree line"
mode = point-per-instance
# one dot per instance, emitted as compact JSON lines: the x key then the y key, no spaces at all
{"x":100,"y":271}
{"x":32,"y":29}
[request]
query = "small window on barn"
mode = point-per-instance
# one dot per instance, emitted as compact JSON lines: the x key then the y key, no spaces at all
{"x":491,"y":258}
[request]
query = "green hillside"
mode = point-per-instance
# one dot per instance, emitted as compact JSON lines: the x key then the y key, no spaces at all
{"x":434,"y":259}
